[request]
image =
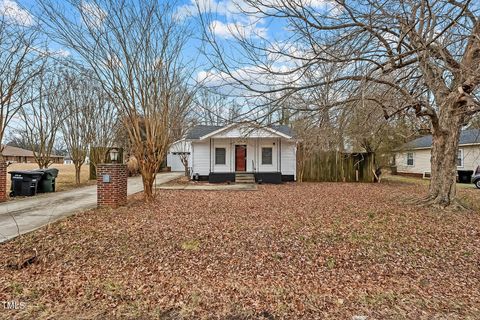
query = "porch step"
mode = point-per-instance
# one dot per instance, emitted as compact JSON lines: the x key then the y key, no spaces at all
{"x":244,"y":178}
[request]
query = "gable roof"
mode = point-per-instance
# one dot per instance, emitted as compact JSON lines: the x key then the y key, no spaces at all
{"x":470,"y":136}
{"x":200,"y":131}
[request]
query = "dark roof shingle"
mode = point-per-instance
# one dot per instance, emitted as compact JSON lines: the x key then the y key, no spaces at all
{"x":284,"y":129}
{"x":470,"y":136}
{"x":199,"y":131}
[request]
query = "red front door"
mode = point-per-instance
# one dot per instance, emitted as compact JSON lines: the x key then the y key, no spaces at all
{"x":240,"y":158}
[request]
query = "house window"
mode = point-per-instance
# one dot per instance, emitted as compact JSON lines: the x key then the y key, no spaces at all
{"x":220,"y":155}
{"x":410,"y":159}
{"x":267,"y":155}
{"x":460,"y":158}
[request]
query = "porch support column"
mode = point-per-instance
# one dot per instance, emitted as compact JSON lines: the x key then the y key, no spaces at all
{"x":280,"y":155}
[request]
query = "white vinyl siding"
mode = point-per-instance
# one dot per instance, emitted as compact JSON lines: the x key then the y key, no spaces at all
{"x":421,"y":161}
{"x":289,"y":158}
{"x":201,"y":158}
{"x":471,"y":159}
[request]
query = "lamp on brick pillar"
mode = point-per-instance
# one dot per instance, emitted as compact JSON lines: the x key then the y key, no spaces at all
{"x":114,"y":155}
{"x":111,"y":184}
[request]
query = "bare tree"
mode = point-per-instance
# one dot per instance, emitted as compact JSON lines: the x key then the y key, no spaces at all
{"x":16,"y":139}
{"x":106,"y":127}
{"x":19,"y":65}
{"x":210,"y":108}
{"x":105,"y":121}
{"x":425,"y":52}
{"x":135,"y":50}
{"x":43,"y":115}
{"x":81,"y":102}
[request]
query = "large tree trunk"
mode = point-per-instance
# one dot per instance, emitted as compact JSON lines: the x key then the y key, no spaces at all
{"x":444,"y":167}
{"x":445,"y":139}
{"x":148,"y":179}
{"x":148,"y":170}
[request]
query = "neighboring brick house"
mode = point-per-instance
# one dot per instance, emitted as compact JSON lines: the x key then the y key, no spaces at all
{"x":19,"y":155}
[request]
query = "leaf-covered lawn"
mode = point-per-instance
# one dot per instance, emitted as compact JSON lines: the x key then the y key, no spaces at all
{"x":309,"y":251}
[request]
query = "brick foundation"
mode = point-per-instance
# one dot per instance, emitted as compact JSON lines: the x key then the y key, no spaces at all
{"x":113,"y":193}
{"x":3,"y":181}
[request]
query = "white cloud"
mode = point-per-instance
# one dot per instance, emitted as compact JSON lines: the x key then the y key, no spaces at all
{"x":237,"y":29}
{"x":13,"y":13}
{"x":61,"y":53}
{"x":255,"y":76}
{"x":54,"y":52}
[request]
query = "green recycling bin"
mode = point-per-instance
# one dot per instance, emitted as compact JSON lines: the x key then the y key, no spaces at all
{"x":47,"y":182}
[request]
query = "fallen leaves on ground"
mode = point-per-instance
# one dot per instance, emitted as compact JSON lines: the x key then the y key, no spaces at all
{"x":292,"y":251}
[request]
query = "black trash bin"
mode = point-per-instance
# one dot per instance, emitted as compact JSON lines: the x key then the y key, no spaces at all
{"x":465,"y":176}
{"x":24,"y":183}
{"x":47,"y":182}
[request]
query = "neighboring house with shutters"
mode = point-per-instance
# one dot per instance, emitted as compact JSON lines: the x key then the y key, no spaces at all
{"x":238,"y":152}
{"x":414,"y":157}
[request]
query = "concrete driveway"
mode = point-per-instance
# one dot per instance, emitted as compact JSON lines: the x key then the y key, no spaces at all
{"x":35,"y":212}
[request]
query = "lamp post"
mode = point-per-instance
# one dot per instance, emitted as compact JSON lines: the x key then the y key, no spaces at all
{"x":114,"y":155}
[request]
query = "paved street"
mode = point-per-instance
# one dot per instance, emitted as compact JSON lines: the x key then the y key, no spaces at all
{"x":34,"y":212}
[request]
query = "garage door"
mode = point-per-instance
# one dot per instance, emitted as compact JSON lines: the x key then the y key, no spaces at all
{"x":174,"y":162}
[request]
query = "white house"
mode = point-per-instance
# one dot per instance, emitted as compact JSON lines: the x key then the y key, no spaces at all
{"x":414,"y":157}
{"x":239,"y":152}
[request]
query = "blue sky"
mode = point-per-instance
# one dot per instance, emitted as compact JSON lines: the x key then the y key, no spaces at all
{"x":226,"y":18}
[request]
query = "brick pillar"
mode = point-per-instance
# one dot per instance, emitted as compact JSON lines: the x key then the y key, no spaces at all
{"x":3,"y":181}
{"x":111,"y":185}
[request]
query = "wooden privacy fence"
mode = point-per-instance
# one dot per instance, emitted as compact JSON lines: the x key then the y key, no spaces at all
{"x":338,"y":167}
